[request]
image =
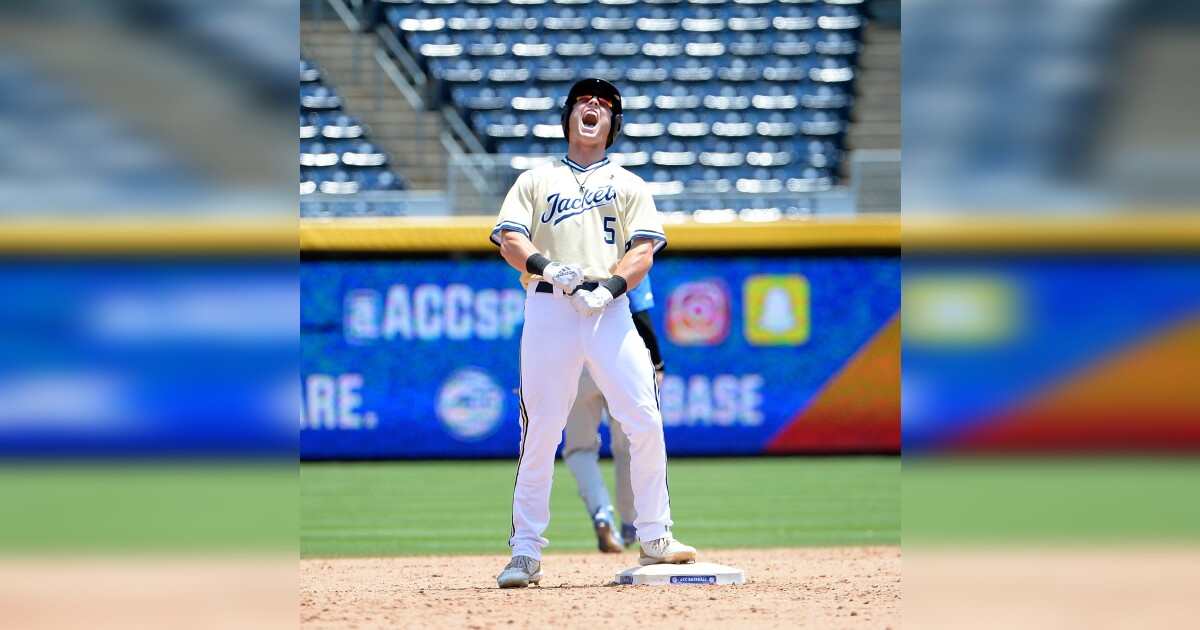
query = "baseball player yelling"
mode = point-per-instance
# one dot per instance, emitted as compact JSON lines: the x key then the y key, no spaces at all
{"x":582,"y":231}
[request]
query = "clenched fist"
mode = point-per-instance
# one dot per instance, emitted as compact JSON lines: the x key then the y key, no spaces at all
{"x":565,"y":277}
{"x":591,"y":302}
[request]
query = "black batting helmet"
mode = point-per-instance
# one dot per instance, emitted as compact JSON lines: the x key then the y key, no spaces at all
{"x":595,"y":87}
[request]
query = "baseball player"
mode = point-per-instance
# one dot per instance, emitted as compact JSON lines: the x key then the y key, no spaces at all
{"x":582,"y":231}
{"x":581,"y":447}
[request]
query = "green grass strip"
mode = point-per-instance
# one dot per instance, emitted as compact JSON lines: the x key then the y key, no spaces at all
{"x":414,"y":508}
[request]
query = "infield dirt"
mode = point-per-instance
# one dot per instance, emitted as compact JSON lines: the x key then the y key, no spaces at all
{"x":843,"y":587}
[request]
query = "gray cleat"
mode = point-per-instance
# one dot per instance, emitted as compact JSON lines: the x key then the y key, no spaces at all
{"x":520,"y":572}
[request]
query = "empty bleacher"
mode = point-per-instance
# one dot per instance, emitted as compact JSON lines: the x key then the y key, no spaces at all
{"x":337,"y":156}
{"x":737,"y":96}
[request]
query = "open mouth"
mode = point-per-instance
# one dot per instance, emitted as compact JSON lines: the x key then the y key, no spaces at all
{"x":590,"y":119}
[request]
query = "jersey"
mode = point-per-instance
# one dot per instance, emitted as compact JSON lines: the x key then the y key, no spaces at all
{"x":588,"y":216}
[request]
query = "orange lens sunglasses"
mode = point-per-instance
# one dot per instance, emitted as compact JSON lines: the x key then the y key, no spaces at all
{"x":587,"y":97}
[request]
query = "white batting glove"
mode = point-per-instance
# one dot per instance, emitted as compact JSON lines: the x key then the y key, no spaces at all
{"x":579,"y":302}
{"x":565,"y":277}
{"x":591,"y":302}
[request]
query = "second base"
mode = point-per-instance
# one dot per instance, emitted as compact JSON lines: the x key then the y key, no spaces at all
{"x":668,"y":574}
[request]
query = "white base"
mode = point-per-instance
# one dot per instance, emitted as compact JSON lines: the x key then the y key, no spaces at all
{"x":670,"y":574}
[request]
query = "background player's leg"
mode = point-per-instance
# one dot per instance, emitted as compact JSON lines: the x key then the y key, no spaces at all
{"x":551,"y":361}
{"x":621,"y":366}
{"x":581,"y":445}
{"x":581,"y":453}
{"x":622,"y":486}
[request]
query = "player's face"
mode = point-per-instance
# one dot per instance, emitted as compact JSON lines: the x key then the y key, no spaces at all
{"x":591,"y":119}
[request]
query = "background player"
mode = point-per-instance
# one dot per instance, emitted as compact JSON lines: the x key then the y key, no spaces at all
{"x":581,"y":447}
{"x":599,"y":220}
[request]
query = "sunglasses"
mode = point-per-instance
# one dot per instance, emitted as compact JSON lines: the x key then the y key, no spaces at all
{"x":587,"y":97}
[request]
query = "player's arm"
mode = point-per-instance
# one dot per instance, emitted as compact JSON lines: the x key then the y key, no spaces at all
{"x":516,"y":248}
{"x":636,"y":262}
{"x":519,"y":252}
{"x":631,"y":270}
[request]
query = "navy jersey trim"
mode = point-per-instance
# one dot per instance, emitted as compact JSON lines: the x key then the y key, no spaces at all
{"x":584,"y":169}
{"x":508,"y":225}
{"x":661,"y":239}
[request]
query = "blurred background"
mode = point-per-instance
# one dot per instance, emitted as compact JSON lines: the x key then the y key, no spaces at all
{"x":148,"y":313}
{"x":1050,"y":424}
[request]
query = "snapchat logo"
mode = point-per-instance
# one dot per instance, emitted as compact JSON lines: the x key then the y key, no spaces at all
{"x":777,"y":310}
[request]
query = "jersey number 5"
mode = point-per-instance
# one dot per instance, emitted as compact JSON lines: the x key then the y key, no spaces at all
{"x":610,"y":235}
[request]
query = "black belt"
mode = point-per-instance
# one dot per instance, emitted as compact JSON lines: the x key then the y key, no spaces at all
{"x":546,"y":287}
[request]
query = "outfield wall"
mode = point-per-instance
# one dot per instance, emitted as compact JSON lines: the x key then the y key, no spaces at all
{"x":410,"y":337}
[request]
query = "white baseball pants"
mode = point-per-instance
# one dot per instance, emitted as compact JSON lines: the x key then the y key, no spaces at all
{"x":581,"y":452}
{"x":556,"y":344}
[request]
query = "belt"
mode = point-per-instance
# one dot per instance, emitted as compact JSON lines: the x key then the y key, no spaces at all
{"x":546,"y":287}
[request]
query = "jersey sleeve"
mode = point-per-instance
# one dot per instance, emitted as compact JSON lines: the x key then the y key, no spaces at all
{"x":517,"y":212}
{"x":641,"y":217}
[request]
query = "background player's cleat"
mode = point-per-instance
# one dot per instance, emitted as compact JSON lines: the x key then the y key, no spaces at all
{"x":520,"y":572}
{"x":666,"y":550}
{"x":629,"y":535}
{"x":606,"y":531}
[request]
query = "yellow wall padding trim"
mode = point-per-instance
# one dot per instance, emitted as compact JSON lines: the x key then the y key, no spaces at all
{"x":433,"y":234}
{"x":120,"y":236}
{"x":1131,"y":231}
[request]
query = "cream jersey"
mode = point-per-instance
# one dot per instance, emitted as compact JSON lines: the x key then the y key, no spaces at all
{"x":587,"y":216}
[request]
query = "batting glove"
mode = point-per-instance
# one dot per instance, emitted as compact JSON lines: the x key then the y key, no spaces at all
{"x":565,"y":277}
{"x":591,"y":302}
{"x":579,"y":302}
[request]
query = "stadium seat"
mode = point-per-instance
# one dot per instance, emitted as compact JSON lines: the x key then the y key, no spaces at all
{"x":719,"y":95}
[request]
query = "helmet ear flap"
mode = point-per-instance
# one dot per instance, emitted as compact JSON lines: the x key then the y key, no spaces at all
{"x":615,"y":129}
{"x":566,"y":117}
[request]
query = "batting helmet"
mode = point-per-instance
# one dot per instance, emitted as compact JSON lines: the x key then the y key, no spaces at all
{"x":595,"y":87}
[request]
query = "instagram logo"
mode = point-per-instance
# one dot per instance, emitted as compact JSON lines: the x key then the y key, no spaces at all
{"x":698,"y":313}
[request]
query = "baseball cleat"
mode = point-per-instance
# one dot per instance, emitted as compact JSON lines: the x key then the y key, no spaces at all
{"x":606,"y":535}
{"x":666,"y":550}
{"x":629,"y":535}
{"x":520,"y":572}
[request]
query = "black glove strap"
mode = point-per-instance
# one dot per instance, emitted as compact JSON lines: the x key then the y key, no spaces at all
{"x":616,"y":285}
{"x":536,"y":263}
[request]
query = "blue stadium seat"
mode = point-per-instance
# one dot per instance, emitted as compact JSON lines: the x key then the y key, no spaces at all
{"x":363,"y":153}
{"x":723,"y":154}
{"x":676,"y":96}
{"x":713,"y":90}
{"x":318,"y":154}
{"x":342,"y":126}
{"x":688,"y":124}
{"x":724,"y":96}
{"x":657,"y":20}
{"x":319,"y":97}
{"x":709,"y":181}
{"x":309,"y":71}
{"x":619,"y":44}
{"x":675,"y":154}
{"x":693,"y":69}
{"x":748,"y":44}
{"x":482,"y":44}
{"x":555,"y":71}
{"x":732,"y":125}
{"x":601,"y":68}
{"x":630,"y":154}
{"x":610,"y":18}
